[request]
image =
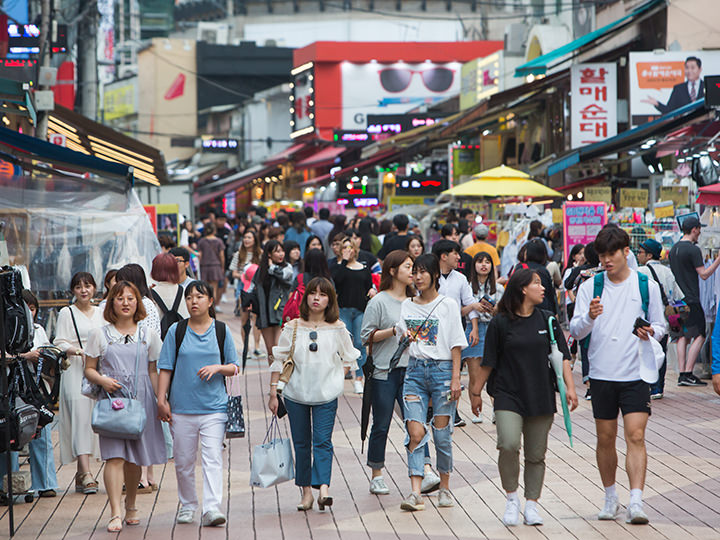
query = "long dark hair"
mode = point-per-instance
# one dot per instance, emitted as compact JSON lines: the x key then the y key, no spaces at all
{"x":262,"y":275}
{"x":393,"y":261}
{"x":577,"y":248}
{"x":135,"y":274}
{"x":205,"y":289}
{"x":474,"y":276}
{"x":256,"y":249}
{"x":536,"y":251}
{"x":365,"y":233}
{"x":315,"y":264}
{"x":310,"y":239}
{"x":513,"y":297}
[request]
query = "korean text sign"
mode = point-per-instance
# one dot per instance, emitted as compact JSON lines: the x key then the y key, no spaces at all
{"x":594,"y":103}
{"x":581,"y":223}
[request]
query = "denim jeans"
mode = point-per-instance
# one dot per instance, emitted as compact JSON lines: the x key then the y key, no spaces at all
{"x":311,"y":427}
{"x":425,"y":380}
{"x":353,"y":317}
{"x":42,"y":462}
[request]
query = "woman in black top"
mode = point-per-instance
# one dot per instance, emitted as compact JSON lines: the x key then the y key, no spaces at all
{"x":521,"y":380}
{"x":354,"y":286}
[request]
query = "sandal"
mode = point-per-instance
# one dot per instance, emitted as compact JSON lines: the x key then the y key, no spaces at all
{"x":85,"y":483}
{"x":131,"y":520}
{"x":115,"y":528}
{"x":142,"y":488}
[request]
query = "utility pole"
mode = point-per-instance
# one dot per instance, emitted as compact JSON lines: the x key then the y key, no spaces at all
{"x":45,"y":46}
{"x":87,"y":60}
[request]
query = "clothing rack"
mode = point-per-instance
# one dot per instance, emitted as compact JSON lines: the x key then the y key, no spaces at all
{"x":5,"y":409}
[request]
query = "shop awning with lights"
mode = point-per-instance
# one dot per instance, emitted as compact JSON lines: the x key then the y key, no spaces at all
{"x":322,"y":158}
{"x":378,"y":159}
{"x":87,"y":137}
{"x":286,"y":155}
{"x":215,"y":190}
{"x":632,"y":139}
{"x":540,"y":65}
{"x":31,"y":153}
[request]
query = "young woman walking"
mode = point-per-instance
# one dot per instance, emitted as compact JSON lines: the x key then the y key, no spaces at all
{"x":323,"y":351}
{"x":516,"y":352}
{"x":74,"y":324}
{"x":195,"y":404}
{"x":354,"y":285}
{"x":272,"y":281}
{"x":487,"y":294}
{"x":114,"y":353}
{"x":433,"y":324}
{"x":212,"y":258}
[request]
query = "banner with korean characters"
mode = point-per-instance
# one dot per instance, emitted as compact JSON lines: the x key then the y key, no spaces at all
{"x":633,"y":198}
{"x":594,"y":103}
{"x":599,"y":194}
{"x":581,"y":223}
{"x":677,"y":194}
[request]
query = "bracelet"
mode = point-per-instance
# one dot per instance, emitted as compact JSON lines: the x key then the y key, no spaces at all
{"x":273,"y":384}
{"x":476,"y":395}
{"x":394,"y":331}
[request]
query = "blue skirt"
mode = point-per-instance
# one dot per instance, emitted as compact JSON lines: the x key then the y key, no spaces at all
{"x":478,"y":350}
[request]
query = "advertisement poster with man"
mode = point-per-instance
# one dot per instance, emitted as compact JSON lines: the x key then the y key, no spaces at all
{"x":661,"y":83}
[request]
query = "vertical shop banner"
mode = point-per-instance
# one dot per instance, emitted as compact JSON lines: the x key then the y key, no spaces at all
{"x":665,"y":81}
{"x":581,"y":223}
{"x":594,"y":103}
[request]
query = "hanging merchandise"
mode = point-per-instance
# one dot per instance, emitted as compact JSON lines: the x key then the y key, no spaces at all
{"x":19,"y":329}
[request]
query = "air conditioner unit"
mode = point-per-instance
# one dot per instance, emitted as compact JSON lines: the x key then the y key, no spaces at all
{"x":212,"y":32}
{"x":515,"y":36}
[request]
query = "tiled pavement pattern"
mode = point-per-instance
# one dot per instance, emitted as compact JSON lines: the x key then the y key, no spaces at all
{"x":682,"y":495}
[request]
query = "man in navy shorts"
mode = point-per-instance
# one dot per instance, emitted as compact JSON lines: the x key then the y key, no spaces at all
{"x":615,"y":382}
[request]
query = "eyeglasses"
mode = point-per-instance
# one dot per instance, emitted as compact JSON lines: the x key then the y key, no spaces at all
{"x":438,"y":79}
{"x":313,"y":338}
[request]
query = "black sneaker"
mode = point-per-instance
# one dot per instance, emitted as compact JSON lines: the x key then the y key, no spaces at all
{"x":459,"y":422}
{"x":683,"y":380}
{"x":587,"y":395}
{"x":692,"y":380}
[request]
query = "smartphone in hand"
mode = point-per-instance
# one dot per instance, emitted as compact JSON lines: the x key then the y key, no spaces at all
{"x":639,"y":323}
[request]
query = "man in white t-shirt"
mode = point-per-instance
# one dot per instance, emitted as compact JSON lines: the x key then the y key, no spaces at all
{"x":615,"y":381}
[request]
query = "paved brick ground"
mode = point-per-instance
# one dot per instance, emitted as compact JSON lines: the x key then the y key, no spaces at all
{"x":682,"y":495}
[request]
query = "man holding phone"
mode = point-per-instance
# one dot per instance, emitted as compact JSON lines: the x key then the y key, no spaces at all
{"x":611,"y":318}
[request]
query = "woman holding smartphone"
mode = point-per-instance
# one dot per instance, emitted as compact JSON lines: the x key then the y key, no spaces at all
{"x":433,"y":325}
{"x":515,"y":360}
{"x":487,"y":294}
{"x":323,"y":352}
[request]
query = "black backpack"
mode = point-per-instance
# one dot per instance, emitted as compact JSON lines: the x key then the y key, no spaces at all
{"x":169,"y":316}
{"x":19,"y":329}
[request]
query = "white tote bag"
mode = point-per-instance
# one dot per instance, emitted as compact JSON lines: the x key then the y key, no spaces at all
{"x":272,"y":461}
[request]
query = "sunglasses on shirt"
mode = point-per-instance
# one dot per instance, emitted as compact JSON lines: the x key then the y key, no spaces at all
{"x":313,"y":338}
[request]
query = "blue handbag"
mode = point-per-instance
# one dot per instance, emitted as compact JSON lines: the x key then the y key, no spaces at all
{"x":121,"y":417}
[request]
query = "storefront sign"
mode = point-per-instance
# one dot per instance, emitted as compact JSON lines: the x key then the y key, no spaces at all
{"x":581,"y":223}
{"x":465,"y":163}
{"x":594,"y":103}
{"x":480,"y":79}
{"x":399,"y":201}
{"x":164,"y":218}
{"x":219,"y":145}
{"x":393,"y":124}
{"x":633,"y":198}
{"x":302,"y":101}
{"x":664,"y":209}
{"x":677,"y":194}
{"x":599,"y":194}
{"x":420,"y":185}
{"x":661,"y":83}
{"x":121,"y":99}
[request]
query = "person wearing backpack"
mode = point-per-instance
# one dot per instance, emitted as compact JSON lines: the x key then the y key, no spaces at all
{"x":608,"y":308}
{"x":196,"y":354}
{"x":167,"y":293}
{"x":515,"y":367}
{"x":648,"y":256}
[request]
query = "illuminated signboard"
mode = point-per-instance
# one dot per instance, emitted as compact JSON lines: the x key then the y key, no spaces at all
{"x":220,"y":145}
{"x":398,"y":123}
{"x":302,"y":101}
{"x":18,"y":69}
{"x":350,"y":138}
{"x":359,"y":202}
{"x":25,"y":39}
{"x":420,"y":185}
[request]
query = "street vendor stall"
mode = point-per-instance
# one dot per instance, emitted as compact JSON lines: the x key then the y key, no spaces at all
{"x":55,"y":227}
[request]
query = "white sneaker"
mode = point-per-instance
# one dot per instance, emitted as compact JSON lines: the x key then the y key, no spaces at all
{"x":213,"y":518}
{"x":378,"y":486}
{"x":636,"y":515}
{"x":610,"y":510}
{"x":531,"y":515}
{"x":185,"y":516}
{"x":445,"y":499}
{"x":477,"y":419}
{"x":511,"y":517}
{"x":359,"y":389}
{"x":430,"y":482}
{"x":493,"y":417}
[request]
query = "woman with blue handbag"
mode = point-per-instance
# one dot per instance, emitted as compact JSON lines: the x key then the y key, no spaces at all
{"x":121,"y":359}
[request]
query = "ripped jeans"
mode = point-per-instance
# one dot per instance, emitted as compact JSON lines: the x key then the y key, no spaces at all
{"x":425,"y":380}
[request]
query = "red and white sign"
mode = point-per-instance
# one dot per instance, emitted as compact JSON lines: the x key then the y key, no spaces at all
{"x":57,"y":138}
{"x":594,"y":103}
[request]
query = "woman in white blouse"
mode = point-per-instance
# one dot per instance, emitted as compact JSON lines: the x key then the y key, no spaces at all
{"x":77,"y":440}
{"x":323,"y":353}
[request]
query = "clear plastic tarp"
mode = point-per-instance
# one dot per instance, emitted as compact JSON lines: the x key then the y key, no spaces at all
{"x":56,"y":227}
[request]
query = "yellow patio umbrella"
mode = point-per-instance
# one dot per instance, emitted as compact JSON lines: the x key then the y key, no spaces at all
{"x":502,"y":181}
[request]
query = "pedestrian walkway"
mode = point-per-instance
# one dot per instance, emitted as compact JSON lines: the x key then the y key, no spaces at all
{"x":682,"y":496}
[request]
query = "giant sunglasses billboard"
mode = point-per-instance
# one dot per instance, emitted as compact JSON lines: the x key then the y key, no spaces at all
{"x":376,"y":88}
